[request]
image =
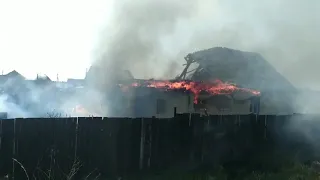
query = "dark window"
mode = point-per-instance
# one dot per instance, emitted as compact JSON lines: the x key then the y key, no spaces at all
{"x":161,"y":106}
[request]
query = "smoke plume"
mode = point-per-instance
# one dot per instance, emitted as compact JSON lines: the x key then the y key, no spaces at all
{"x":148,"y":36}
{"x":140,"y":35}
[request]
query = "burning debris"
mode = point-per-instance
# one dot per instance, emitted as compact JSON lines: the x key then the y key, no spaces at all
{"x":216,"y":87}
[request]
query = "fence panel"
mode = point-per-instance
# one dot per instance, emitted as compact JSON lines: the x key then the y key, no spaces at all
{"x":6,"y":146}
{"x":112,"y":146}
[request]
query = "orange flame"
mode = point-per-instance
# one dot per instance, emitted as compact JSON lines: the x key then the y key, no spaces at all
{"x":213,"y":87}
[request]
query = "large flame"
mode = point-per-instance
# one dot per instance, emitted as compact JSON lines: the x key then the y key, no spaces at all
{"x":216,"y":87}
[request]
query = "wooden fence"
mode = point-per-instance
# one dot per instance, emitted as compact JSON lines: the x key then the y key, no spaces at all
{"x":120,"y":146}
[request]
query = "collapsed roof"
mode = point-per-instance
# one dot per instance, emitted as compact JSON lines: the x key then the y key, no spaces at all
{"x":246,"y":69}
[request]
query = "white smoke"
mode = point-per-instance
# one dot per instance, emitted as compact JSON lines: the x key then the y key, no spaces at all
{"x":11,"y":108}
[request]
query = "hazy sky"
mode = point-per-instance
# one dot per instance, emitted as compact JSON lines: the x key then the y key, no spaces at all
{"x":49,"y":36}
{"x":151,"y":37}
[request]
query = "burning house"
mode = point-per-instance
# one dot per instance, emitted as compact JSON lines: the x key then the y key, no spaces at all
{"x":186,"y":94}
{"x":214,"y":81}
{"x":239,"y":72}
{"x":161,"y":98}
{"x":247,"y":70}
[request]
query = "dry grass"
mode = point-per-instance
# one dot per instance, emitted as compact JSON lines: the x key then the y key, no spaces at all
{"x":294,"y":171}
{"x":50,"y":173}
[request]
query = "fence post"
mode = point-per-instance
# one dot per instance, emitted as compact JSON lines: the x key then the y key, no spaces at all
{"x":265,"y":126}
{"x":149,"y":131}
{"x":1,"y":133}
{"x":141,"y":144}
{"x":14,"y":147}
{"x":76,"y":138}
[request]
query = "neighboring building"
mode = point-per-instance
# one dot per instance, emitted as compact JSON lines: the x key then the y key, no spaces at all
{"x":14,"y":74}
{"x":12,"y":82}
{"x":12,"y":78}
{"x":76,"y":82}
{"x":43,"y":79}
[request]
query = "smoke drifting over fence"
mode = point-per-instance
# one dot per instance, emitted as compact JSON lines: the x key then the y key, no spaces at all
{"x":150,"y":37}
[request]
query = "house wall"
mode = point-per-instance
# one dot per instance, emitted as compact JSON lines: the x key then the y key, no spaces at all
{"x":223,"y":104}
{"x":241,"y":107}
{"x":148,"y":102}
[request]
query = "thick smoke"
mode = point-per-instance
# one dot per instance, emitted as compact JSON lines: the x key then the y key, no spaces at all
{"x":140,"y":37}
{"x":148,"y":36}
{"x":21,"y":98}
{"x":284,"y":32}
{"x":12,"y":109}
